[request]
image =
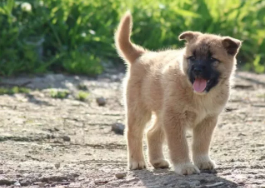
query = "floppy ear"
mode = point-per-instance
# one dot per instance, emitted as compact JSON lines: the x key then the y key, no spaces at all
{"x":188,"y":35}
{"x":231,"y":45}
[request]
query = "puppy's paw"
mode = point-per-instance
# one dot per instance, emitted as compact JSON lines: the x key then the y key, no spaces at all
{"x":186,"y":169}
{"x":204,"y":162}
{"x":136,"y":165}
{"x":161,"y":163}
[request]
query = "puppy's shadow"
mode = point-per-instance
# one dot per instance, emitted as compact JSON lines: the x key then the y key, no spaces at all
{"x":165,"y":178}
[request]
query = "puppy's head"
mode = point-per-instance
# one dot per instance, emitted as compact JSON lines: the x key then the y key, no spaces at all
{"x":208,"y":59}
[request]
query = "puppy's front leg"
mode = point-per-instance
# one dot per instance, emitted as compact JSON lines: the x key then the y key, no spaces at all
{"x":175,"y":128}
{"x":202,"y":135}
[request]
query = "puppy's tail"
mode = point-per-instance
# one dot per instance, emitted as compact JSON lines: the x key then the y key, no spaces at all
{"x":126,"y":49}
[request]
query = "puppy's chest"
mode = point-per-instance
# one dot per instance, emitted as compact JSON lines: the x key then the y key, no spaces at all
{"x":202,"y":109}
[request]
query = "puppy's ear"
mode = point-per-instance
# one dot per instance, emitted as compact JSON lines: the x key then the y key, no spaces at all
{"x":188,"y":35}
{"x":231,"y":45}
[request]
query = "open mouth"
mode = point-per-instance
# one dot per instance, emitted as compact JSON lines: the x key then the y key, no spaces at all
{"x":200,"y":84}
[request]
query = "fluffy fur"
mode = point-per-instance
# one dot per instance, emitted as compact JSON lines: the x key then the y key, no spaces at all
{"x":159,"y":83}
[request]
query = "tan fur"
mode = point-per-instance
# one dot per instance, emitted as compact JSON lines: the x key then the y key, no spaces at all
{"x":126,"y":49}
{"x":157,"y":83}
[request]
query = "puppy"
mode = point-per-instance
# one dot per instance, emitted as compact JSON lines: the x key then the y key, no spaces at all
{"x":184,"y":89}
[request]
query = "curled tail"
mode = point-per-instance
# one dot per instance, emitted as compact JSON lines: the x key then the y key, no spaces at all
{"x":126,"y":49}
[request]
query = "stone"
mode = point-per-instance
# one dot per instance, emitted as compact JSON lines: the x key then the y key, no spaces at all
{"x":118,"y":128}
{"x":120,"y":175}
{"x":101,"y":101}
{"x":66,"y":138}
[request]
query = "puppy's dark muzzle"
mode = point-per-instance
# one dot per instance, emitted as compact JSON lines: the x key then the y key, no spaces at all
{"x":198,"y":70}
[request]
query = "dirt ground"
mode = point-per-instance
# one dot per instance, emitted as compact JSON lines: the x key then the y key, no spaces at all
{"x":48,"y":142}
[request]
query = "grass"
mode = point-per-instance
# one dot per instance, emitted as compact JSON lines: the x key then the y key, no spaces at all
{"x":59,"y":94}
{"x":75,"y":36}
{"x":13,"y":90}
{"x":62,"y":94}
{"x":82,"y":96}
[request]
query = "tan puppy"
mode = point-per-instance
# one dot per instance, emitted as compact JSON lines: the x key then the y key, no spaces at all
{"x":184,"y":89}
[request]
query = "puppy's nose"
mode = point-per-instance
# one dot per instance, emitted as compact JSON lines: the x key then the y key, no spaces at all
{"x":197,"y":71}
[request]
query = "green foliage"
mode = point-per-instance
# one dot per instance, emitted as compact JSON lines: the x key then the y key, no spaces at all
{"x":13,"y":90}
{"x":59,"y":94}
{"x":76,"y":35}
{"x":82,"y":87}
{"x":82,"y":95}
{"x":81,"y":63}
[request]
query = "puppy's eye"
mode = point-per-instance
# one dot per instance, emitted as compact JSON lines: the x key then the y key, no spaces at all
{"x":213,"y":59}
{"x":215,"y":63}
{"x":191,"y":58}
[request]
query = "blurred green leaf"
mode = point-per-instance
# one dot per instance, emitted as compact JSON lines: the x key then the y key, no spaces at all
{"x":78,"y":35}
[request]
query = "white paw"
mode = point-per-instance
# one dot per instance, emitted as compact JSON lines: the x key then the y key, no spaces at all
{"x":136,"y":165}
{"x":204,"y":162}
{"x":161,"y":163}
{"x":186,"y":169}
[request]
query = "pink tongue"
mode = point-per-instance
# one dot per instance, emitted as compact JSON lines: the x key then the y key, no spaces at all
{"x":199,"y":85}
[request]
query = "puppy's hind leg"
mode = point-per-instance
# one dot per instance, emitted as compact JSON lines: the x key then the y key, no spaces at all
{"x":155,"y":138}
{"x":137,"y":118}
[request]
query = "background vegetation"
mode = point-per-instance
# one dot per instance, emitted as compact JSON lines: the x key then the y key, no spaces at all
{"x":76,"y":36}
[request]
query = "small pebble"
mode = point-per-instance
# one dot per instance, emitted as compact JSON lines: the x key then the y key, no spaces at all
{"x":118,"y":128}
{"x":25,"y":182}
{"x":120,"y":175}
{"x":100,"y":181}
{"x":17,"y":183}
{"x":101,"y":101}
{"x":66,"y":138}
{"x":57,"y":165}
